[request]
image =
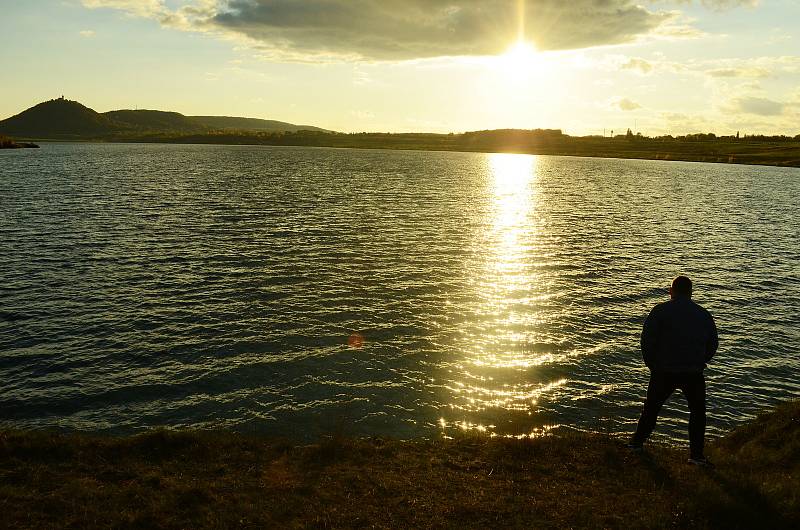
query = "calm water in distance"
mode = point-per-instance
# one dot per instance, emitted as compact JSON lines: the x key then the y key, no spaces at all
{"x":219,"y":286}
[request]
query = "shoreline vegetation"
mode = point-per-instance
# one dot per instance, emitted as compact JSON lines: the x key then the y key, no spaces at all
{"x":772,"y":151}
{"x":210,"y":479}
{"x":65,"y":120}
{"x":9,"y":143}
{"x":769,"y":151}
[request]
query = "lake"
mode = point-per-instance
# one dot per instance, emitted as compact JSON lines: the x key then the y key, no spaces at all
{"x":298,"y":291}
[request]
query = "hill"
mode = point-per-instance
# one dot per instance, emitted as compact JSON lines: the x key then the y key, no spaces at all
{"x":155,"y":120}
{"x":65,"y":119}
{"x":58,"y":118}
{"x":230,"y":123}
{"x":205,"y":479}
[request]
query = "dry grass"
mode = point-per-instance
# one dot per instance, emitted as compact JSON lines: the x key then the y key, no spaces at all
{"x":167,"y":479}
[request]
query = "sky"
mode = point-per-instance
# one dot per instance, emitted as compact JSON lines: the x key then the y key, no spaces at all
{"x":583,"y":66}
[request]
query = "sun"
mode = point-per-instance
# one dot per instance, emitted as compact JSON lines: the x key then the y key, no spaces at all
{"x":521,"y":52}
{"x":519,"y":61}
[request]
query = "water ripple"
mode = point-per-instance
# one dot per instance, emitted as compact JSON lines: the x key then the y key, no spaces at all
{"x":222,"y":286}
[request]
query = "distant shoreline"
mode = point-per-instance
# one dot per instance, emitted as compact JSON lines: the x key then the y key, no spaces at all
{"x":777,"y":154}
{"x":65,"y":120}
{"x":9,"y":143}
{"x":218,"y":479}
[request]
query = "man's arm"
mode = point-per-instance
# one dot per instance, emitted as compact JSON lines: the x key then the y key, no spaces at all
{"x":650,"y":332}
{"x":713,"y":339}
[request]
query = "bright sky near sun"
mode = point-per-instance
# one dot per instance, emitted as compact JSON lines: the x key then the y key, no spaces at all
{"x":583,"y":66}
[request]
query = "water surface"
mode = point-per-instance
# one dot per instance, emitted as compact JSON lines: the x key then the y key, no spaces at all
{"x":218,"y":286}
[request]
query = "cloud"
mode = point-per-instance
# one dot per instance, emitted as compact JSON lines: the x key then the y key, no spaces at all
{"x":778,"y":36}
{"x":679,"y":32}
{"x":88,"y":33}
{"x":716,"y":5}
{"x":680,"y":123}
{"x":728,"y":4}
{"x":752,"y":67}
{"x":754,"y":72}
{"x":758,"y":105}
{"x":612,"y":62}
{"x":188,"y":17}
{"x":361,"y":78}
{"x":634,"y":63}
{"x":625,"y":104}
{"x":405,"y":29}
{"x":139,"y":8}
{"x":410,"y":29}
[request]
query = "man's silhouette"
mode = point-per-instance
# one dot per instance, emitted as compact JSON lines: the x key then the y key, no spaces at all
{"x":678,"y":338}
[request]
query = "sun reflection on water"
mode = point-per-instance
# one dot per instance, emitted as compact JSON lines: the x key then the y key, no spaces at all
{"x":508,"y":281}
{"x":499,"y":367}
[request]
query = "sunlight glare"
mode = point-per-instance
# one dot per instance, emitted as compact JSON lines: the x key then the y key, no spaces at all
{"x":512,"y":187}
{"x":519,"y":61}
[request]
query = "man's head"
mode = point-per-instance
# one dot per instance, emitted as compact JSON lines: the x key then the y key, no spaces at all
{"x":681,"y":288}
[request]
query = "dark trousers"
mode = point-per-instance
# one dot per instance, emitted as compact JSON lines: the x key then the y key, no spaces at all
{"x":661,"y":386}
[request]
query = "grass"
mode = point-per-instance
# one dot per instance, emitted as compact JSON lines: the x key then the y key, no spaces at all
{"x":190,"y":479}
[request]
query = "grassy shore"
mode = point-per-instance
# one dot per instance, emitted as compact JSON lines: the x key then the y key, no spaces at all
{"x":166,"y":479}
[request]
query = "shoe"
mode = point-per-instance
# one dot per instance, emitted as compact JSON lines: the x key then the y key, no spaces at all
{"x":635,"y":447}
{"x":701,"y":461}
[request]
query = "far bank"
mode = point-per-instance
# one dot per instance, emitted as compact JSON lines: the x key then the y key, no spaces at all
{"x":765,"y":154}
{"x":726,"y":151}
{"x":10,"y":143}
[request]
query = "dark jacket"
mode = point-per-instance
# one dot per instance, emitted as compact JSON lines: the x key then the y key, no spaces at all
{"x":678,"y":336}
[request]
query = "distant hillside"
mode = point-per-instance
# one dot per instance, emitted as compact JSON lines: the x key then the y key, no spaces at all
{"x":65,"y":119}
{"x":230,"y":123}
{"x":58,"y":118}
{"x":155,"y":120}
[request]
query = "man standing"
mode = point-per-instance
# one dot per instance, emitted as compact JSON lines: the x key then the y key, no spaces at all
{"x":678,"y":339}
